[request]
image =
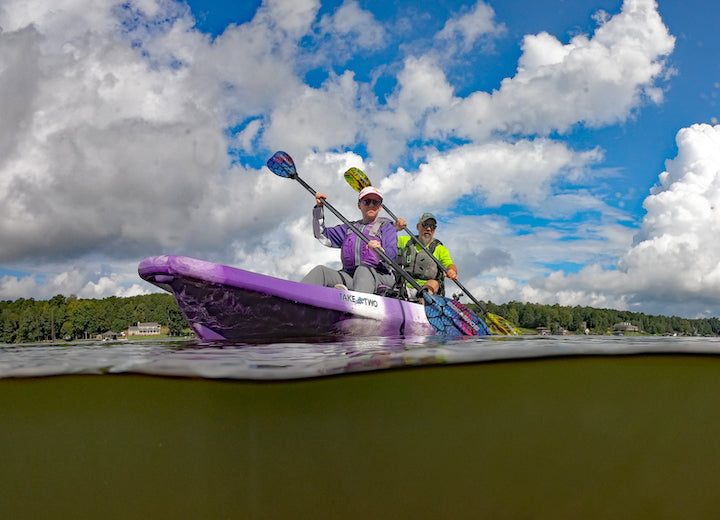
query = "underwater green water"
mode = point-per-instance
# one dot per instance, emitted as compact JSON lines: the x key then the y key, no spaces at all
{"x":589,"y":437}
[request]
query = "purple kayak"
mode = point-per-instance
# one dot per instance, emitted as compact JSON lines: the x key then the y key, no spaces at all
{"x":227,"y":303}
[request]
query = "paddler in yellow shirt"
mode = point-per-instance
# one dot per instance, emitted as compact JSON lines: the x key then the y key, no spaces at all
{"x":416,"y":260}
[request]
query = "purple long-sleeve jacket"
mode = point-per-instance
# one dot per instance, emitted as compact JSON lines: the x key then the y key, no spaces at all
{"x":353,"y":250}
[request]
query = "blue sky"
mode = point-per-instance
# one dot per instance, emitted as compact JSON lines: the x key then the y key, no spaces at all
{"x":638,"y":148}
{"x":570,"y":148}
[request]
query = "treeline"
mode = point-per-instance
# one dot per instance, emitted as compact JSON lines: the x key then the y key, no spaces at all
{"x":70,"y":318}
{"x":28,"y":320}
{"x":598,"y":321}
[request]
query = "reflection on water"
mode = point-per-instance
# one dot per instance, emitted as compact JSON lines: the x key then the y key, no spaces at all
{"x":307,"y":359}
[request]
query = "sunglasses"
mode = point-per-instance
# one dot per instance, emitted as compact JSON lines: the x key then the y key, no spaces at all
{"x":372,"y":202}
{"x":431,"y":226}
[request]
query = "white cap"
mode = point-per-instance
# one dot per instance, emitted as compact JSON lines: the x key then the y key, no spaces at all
{"x":367,"y":190}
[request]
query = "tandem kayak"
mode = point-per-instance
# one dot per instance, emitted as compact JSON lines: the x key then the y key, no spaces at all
{"x":227,"y":303}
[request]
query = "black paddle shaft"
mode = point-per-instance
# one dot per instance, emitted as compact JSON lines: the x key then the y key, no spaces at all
{"x":361,"y":181}
{"x":438,"y":262}
{"x":365,"y":239}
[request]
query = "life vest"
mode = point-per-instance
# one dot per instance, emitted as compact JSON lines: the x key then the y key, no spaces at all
{"x":419,"y":264}
{"x":354,"y":251}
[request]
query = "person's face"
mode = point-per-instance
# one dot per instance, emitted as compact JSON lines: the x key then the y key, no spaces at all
{"x":426,"y":231}
{"x":370,"y":206}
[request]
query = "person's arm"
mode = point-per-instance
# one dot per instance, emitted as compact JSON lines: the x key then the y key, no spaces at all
{"x":319,"y":226}
{"x":442,"y":254}
{"x":329,"y":237}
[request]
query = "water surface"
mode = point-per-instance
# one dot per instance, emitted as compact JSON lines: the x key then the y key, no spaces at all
{"x":308,"y":359}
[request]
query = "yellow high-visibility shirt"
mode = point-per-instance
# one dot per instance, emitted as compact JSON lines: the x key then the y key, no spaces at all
{"x":441,"y":253}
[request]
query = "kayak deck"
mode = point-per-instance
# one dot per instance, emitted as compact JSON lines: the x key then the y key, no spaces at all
{"x":226,"y":303}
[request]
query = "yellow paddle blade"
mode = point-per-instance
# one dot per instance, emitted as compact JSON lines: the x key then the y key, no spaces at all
{"x":500,"y":326}
{"x":356,"y":178}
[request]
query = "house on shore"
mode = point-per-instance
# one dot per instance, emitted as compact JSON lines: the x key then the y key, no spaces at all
{"x":626,"y":326}
{"x":544,"y":331}
{"x":144,"y":329}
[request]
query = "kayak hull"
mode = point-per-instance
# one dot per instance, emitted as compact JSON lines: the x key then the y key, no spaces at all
{"x":226,"y":303}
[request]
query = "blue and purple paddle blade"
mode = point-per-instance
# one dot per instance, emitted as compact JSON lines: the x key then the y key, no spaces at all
{"x":452,"y":318}
{"x":282,"y":164}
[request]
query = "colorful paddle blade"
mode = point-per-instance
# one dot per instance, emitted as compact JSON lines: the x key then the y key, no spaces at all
{"x":282,"y":164}
{"x":357,"y":179}
{"x":500,"y":326}
{"x":451,"y":318}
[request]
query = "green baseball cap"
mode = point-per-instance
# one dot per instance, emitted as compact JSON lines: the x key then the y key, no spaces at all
{"x":425,"y":217}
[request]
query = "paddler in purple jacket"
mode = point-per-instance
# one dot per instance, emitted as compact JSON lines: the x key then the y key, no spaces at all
{"x":362,"y":270}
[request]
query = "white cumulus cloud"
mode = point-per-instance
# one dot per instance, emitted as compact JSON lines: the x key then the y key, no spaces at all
{"x":118,"y":118}
{"x":673,"y":260}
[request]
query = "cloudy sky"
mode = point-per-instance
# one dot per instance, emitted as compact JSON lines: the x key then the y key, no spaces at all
{"x":570,"y":148}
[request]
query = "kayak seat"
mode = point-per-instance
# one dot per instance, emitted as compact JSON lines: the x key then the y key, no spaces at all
{"x":398,"y":289}
{"x":387,"y":291}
